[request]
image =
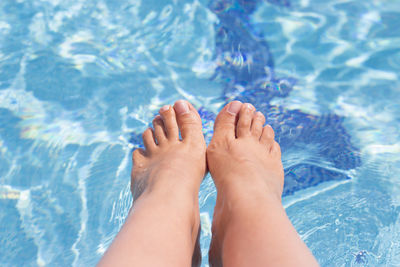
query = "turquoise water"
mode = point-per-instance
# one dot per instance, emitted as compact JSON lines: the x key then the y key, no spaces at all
{"x":79,"y":78}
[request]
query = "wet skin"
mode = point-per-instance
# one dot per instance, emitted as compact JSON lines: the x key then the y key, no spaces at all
{"x":163,"y":224}
{"x":250,"y":226}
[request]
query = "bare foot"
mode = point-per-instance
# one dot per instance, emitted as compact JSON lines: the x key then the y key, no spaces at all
{"x":162,"y":228}
{"x":168,"y":162}
{"x":243,"y":152}
{"x":250,"y":226}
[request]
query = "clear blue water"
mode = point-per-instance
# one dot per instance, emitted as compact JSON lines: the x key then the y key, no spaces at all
{"x":80,"y":80}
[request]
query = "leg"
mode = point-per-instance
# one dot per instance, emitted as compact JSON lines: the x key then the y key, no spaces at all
{"x":250,"y":226}
{"x":163,"y":224}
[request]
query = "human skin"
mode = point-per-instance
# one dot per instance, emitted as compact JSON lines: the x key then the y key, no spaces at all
{"x":250,"y":226}
{"x":162,"y":226}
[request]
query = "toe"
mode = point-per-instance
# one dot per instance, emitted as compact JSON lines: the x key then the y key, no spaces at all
{"x":138,"y":156}
{"x":257,"y":124}
{"x":148,"y":140}
{"x":244,"y":121}
{"x":159,"y":131}
{"x":276,"y":149}
{"x":267,"y":136}
{"x":171,"y":127}
{"x":189,"y":121}
{"x":225,"y":123}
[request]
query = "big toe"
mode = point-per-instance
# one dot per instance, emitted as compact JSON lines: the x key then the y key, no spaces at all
{"x":225,"y":123}
{"x":189,"y":121}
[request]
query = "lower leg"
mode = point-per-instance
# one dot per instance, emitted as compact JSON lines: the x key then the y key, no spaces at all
{"x":163,"y":225}
{"x":160,"y":230}
{"x":250,"y":226}
{"x":253,"y":230}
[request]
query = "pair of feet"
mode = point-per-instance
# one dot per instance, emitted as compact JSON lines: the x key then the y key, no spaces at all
{"x":242,"y":157}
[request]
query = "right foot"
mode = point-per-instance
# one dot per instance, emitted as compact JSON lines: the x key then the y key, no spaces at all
{"x":245,"y":163}
{"x":243,"y":153}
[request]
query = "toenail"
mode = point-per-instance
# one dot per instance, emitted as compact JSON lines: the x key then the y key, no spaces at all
{"x":181,"y":107}
{"x":259,"y":114}
{"x":164,"y":108}
{"x":234,"y":107}
{"x":250,"y":106}
{"x":269,"y":133}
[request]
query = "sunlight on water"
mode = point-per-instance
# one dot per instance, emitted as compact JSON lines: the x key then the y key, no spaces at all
{"x":80,"y":81}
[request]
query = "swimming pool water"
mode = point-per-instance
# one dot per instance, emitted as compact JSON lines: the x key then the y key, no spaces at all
{"x":80,"y":80}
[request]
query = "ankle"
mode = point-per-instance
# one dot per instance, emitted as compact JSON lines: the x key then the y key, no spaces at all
{"x":170,"y":205}
{"x":167,"y":184}
{"x":178,"y":198}
{"x":243,"y":190}
{"x":235,"y":205}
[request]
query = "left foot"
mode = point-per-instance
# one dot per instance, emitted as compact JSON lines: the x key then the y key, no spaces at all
{"x":170,"y":170}
{"x":162,"y":227}
{"x":168,"y":162}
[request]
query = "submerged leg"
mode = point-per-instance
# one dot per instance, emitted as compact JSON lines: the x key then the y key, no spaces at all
{"x":250,"y":226}
{"x":163,"y":225}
